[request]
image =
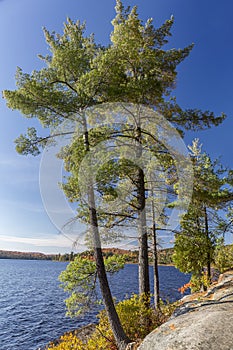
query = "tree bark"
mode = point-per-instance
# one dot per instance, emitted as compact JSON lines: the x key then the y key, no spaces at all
{"x":155,"y":260}
{"x":144,"y":282}
{"x":143,"y":262}
{"x":155,"y":263}
{"x":156,"y":271}
{"x":121,"y":338}
{"x":208,"y":246}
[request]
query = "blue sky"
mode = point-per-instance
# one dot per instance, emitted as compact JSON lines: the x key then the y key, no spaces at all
{"x":204,"y":81}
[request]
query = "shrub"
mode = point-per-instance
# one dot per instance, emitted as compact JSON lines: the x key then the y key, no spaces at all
{"x":68,"y":342}
{"x":137,"y":320}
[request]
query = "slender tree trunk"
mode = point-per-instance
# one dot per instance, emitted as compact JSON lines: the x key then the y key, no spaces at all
{"x":143,"y":262}
{"x":200,"y":273}
{"x":208,"y":246}
{"x":156,"y":271}
{"x":144,"y":283}
{"x":155,"y":260}
{"x":121,"y":339}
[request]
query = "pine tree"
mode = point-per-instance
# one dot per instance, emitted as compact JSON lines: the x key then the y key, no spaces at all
{"x":80,"y":74}
{"x":56,"y":93}
{"x":195,"y":243}
{"x":136,"y":69}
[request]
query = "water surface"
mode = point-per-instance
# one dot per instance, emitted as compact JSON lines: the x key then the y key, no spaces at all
{"x":32,"y":311}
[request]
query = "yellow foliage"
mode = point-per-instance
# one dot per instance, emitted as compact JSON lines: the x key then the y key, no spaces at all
{"x":137,"y":320}
{"x":68,"y":342}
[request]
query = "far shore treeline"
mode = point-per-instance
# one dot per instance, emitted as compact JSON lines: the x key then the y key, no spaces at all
{"x":8,"y":254}
{"x":131,"y":256}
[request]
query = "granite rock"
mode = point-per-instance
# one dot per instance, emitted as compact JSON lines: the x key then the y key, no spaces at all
{"x":203,"y":321}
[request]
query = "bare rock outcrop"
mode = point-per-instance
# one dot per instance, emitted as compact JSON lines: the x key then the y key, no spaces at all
{"x":204,"y":321}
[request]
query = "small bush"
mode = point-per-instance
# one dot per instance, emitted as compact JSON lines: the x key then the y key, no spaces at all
{"x":137,"y":320}
{"x":68,"y":342}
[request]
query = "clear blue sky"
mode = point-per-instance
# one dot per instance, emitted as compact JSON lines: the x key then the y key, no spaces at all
{"x":204,"y":81}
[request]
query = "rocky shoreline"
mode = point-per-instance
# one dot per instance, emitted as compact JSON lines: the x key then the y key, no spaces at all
{"x":203,"y":321}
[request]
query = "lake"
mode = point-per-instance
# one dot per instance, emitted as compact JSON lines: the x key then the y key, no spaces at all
{"x":32,"y":311}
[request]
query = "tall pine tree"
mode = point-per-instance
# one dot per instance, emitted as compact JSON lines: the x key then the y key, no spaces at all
{"x":195,"y":243}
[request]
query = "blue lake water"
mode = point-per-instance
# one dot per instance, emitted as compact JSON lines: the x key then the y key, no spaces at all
{"x":32,"y":309}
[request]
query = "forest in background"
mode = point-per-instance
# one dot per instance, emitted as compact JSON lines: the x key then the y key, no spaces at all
{"x":165,"y":255}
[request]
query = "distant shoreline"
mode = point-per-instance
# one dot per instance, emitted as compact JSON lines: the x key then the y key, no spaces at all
{"x":8,"y":254}
{"x":131,"y":257}
{"x":164,"y":255}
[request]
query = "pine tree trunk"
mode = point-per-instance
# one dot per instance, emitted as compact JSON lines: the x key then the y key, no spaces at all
{"x":121,"y":339}
{"x":155,"y":256}
{"x":143,"y":262}
{"x":155,"y":263}
{"x":143,"y":268}
{"x":208,"y":246}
